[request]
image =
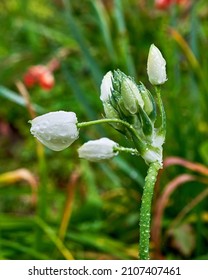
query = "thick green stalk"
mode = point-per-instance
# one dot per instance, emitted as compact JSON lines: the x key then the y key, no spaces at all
{"x":145,"y":211}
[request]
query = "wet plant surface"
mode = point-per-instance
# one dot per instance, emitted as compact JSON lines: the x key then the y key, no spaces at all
{"x":53,"y":55}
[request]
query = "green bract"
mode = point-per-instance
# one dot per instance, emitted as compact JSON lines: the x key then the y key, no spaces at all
{"x":125,"y":100}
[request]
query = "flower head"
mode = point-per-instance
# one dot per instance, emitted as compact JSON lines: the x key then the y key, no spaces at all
{"x":56,"y":130}
{"x":98,"y":150}
{"x":156,"y":66}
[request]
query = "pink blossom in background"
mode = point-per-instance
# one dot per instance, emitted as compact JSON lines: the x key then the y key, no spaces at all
{"x":165,"y":4}
{"x":39,"y":75}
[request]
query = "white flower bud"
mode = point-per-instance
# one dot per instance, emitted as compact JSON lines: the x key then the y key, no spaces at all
{"x":97,"y":150}
{"x":106,"y":87}
{"x":156,"y":66}
{"x":56,"y":130}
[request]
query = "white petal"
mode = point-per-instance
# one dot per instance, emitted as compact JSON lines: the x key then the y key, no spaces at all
{"x":97,"y":150}
{"x":156,"y":66}
{"x":106,"y":87}
{"x":56,"y":130}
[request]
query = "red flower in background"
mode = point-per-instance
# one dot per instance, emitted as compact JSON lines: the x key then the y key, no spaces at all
{"x":165,"y":4}
{"x":40,"y":75}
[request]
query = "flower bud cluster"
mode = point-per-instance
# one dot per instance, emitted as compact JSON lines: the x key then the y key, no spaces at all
{"x":123,"y":99}
{"x":129,"y":108}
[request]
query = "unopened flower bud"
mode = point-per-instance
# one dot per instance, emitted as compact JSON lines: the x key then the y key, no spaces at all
{"x":98,"y":150}
{"x":131,"y":95}
{"x":111,"y":113}
{"x":149,"y":102}
{"x":121,"y":92}
{"x":156,"y":66}
{"x":56,"y":130}
{"x":106,"y":87}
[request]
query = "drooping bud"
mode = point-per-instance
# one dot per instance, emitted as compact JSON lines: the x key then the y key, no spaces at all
{"x":156,"y":66}
{"x":98,"y":150}
{"x":55,"y":130}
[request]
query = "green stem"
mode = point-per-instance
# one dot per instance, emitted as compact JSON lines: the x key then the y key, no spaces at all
{"x":130,"y":127}
{"x":126,"y":124}
{"x":162,"y":111}
{"x":145,"y":211}
{"x":126,"y":150}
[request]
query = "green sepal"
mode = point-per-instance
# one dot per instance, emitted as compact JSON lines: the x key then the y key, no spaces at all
{"x":139,"y":144}
{"x":149,"y":102}
{"x":147,"y":125}
{"x":111,"y":113}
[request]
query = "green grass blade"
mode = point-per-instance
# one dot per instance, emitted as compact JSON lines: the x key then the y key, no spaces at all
{"x":54,"y":238}
{"x":49,"y":33}
{"x":17,"y":99}
{"x":124,"y":40}
{"x":101,"y":243}
{"x":15,"y":246}
{"x":76,"y":33}
{"x":103,"y":21}
{"x":78,"y":92}
{"x":129,"y":170}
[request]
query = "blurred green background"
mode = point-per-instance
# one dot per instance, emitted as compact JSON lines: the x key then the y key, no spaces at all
{"x":56,"y":206}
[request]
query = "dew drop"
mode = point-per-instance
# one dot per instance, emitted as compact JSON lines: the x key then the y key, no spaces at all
{"x":47,"y":137}
{"x":62,"y":134}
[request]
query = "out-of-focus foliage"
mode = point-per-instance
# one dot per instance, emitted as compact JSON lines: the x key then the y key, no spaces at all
{"x":87,"y":210}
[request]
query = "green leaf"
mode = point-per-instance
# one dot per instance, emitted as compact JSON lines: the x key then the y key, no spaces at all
{"x":15,"y":98}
